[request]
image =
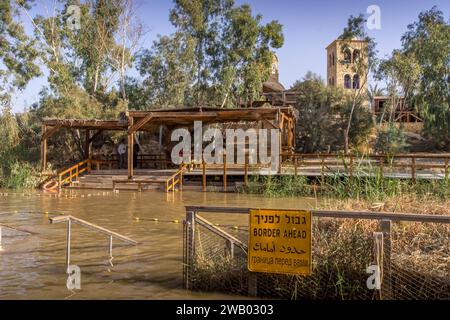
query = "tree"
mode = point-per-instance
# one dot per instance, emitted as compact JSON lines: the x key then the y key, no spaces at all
{"x":324,"y":111}
{"x":222,"y":50}
{"x":427,"y":41}
{"x":361,"y":66}
{"x":17,"y":53}
{"x":401,"y":74}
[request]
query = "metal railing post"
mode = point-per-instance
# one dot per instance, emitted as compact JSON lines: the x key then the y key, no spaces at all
{"x":69,"y":231}
{"x":190,"y":244}
{"x":386,"y":285}
{"x":110,"y":250}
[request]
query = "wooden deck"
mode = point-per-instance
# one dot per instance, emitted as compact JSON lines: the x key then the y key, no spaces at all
{"x":201,"y":176}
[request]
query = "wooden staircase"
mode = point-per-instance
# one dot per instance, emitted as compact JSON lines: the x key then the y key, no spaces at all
{"x":104,"y":179}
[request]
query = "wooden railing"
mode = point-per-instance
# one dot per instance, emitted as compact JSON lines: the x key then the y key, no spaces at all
{"x":72,"y":174}
{"x":176,"y":179}
{"x":143,"y":160}
{"x":350,"y":163}
{"x":399,"y":116}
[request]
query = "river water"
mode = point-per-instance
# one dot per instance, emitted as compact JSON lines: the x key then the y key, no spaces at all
{"x":33,"y":266}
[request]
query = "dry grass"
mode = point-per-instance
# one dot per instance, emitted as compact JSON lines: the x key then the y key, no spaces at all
{"x":342,"y":249}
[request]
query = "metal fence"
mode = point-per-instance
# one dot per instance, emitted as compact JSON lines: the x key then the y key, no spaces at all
{"x":411,"y":252}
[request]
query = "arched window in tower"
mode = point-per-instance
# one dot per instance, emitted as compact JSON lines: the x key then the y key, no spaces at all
{"x":356,"y":81}
{"x":329,"y":60}
{"x":347,"y":55}
{"x":332,"y":81}
{"x":332,"y":59}
{"x":347,"y":81}
{"x":356,"y":55}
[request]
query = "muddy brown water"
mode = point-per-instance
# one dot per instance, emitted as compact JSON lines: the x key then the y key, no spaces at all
{"x":33,"y":266}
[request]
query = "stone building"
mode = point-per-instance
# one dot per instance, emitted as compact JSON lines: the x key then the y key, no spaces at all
{"x":342,"y":70}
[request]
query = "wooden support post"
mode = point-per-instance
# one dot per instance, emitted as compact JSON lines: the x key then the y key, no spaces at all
{"x":413,"y":169}
{"x":204,"y":175}
{"x":386,"y":286}
{"x":446,"y":169}
{"x":252,"y":284}
{"x":181,"y":180}
{"x":246,"y":170}
{"x":44,"y":149}
{"x":69,"y":231}
{"x":130,"y":149}
{"x":322,"y":170}
{"x":87,"y":144}
{"x":224,"y":172}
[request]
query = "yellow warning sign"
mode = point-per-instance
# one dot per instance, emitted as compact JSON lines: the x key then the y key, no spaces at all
{"x":280,"y":241}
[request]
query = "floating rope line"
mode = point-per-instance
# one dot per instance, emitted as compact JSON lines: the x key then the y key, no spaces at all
{"x":231,"y":226}
{"x":32,"y":212}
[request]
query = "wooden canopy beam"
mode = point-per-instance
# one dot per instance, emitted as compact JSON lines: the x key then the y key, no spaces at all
{"x":274,"y":126}
{"x":140,"y":124}
{"x":48,"y":133}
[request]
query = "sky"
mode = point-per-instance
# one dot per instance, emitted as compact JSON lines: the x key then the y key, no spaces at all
{"x":308,"y":27}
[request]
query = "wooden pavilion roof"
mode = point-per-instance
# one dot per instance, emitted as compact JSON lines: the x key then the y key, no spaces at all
{"x":147,"y":120}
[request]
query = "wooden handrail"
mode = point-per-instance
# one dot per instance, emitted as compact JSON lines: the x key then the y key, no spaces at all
{"x":74,"y":172}
{"x":172,"y":181}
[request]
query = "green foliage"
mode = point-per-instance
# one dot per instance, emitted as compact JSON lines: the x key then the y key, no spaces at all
{"x":218,"y":53}
{"x":367,"y":183}
{"x":287,"y":186}
{"x":324,"y":111}
{"x":17,"y":53}
{"x":391,"y":140}
{"x":427,"y":40}
{"x":14,"y":146}
{"x":20,"y":175}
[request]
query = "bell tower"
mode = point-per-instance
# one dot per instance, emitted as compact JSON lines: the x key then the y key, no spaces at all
{"x":342,"y":58}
